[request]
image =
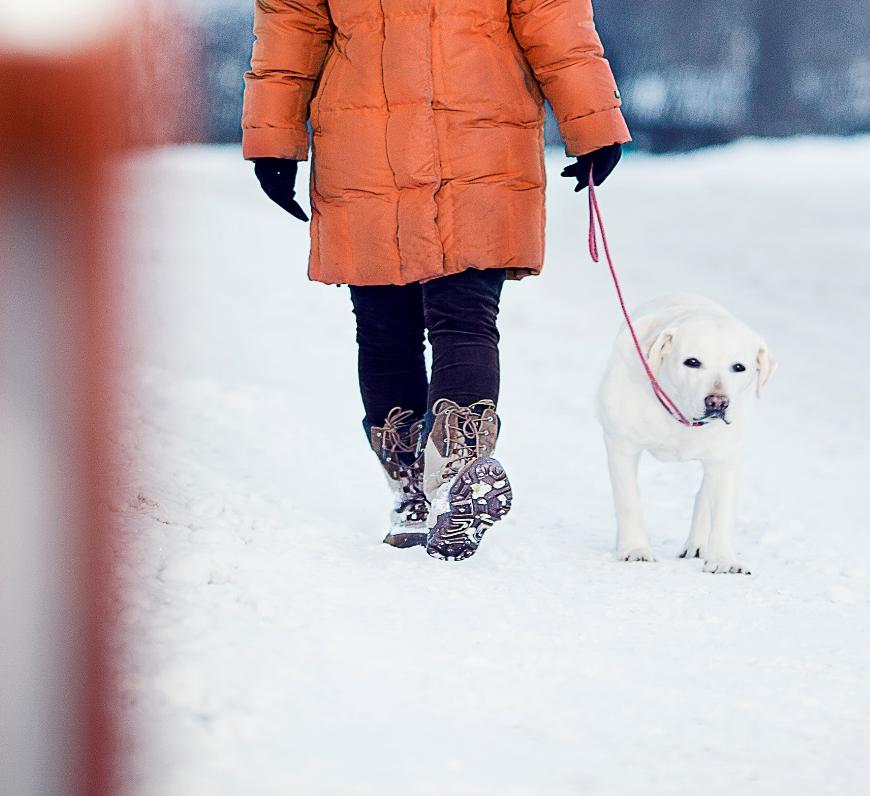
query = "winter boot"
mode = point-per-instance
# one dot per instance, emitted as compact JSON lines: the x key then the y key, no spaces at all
{"x":466,"y":488}
{"x":395,"y":444}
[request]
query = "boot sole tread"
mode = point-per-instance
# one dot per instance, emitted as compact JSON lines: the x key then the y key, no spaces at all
{"x":473,"y":514}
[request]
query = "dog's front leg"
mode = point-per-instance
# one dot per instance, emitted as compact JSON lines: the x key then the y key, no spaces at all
{"x":720,"y":482}
{"x":632,"y":542}
{"x":696,"y":544}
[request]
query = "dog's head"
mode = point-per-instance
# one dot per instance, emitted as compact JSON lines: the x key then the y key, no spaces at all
{"x":708,"y":366}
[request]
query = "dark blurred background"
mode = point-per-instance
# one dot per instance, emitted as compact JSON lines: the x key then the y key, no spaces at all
{"x":692,"y":72}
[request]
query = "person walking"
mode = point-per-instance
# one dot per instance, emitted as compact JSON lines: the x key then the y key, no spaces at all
{"x":427,"y":186}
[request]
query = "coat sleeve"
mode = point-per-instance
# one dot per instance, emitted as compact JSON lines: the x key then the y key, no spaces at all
{"x":292,"y":39}
{"x":559,"y":40}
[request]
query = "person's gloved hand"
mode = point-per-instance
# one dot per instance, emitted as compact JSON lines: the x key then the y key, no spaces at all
{"x":602,"y":161}
{"x":277,"y":178}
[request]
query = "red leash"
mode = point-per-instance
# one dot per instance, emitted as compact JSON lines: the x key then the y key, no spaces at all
{"x":595,"y":219}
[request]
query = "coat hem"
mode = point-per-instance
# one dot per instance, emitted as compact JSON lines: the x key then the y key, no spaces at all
{"x":514,"y":273}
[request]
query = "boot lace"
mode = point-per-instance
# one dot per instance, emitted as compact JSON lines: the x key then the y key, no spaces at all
{"x":465,"y":437}
{"x":394,"y":436}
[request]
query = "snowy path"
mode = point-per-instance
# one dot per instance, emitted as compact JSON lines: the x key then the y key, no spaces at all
{"x":279,"y":648}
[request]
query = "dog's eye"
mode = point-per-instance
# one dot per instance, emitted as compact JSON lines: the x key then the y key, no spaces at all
{"x":738,"y":367}
{"x":691,"y":362}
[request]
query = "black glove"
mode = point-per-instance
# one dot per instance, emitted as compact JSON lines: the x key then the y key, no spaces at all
{"x":277,"y":178}
{"x":603,"y":161}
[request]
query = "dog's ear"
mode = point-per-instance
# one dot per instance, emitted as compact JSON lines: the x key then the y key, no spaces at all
{"x":765,"y":367}
{"x":658,"y":348}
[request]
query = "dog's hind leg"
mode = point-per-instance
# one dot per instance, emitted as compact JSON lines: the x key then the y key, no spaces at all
{"x":632,"y":542}
{"x":696,"y":544}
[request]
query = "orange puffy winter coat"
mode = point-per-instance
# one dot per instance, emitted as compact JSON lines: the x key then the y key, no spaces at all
{"x":427,"y":119}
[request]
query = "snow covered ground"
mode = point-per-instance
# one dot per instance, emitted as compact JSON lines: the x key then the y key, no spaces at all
{"x":275,"y":646}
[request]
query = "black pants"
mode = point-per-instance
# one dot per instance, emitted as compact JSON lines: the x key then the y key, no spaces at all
{"x":459,"y":312}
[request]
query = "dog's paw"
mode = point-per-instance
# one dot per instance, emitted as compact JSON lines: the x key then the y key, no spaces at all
{"x":720,"y":566}
{"x":635,"y":554}
{"x":691,"y":550}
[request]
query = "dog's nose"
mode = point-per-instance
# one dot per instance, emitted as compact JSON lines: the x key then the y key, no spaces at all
{"x":716,"y":402}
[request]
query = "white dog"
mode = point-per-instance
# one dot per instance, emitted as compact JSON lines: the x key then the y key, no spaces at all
{"x":706,"y":361}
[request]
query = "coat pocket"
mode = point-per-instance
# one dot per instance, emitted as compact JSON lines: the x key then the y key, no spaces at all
{"x":319,"y":90}
{"x":529,"y":83}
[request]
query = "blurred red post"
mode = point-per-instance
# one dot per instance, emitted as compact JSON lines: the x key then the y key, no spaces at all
{"x":59,"y":130}
{"x":80,"y":84}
